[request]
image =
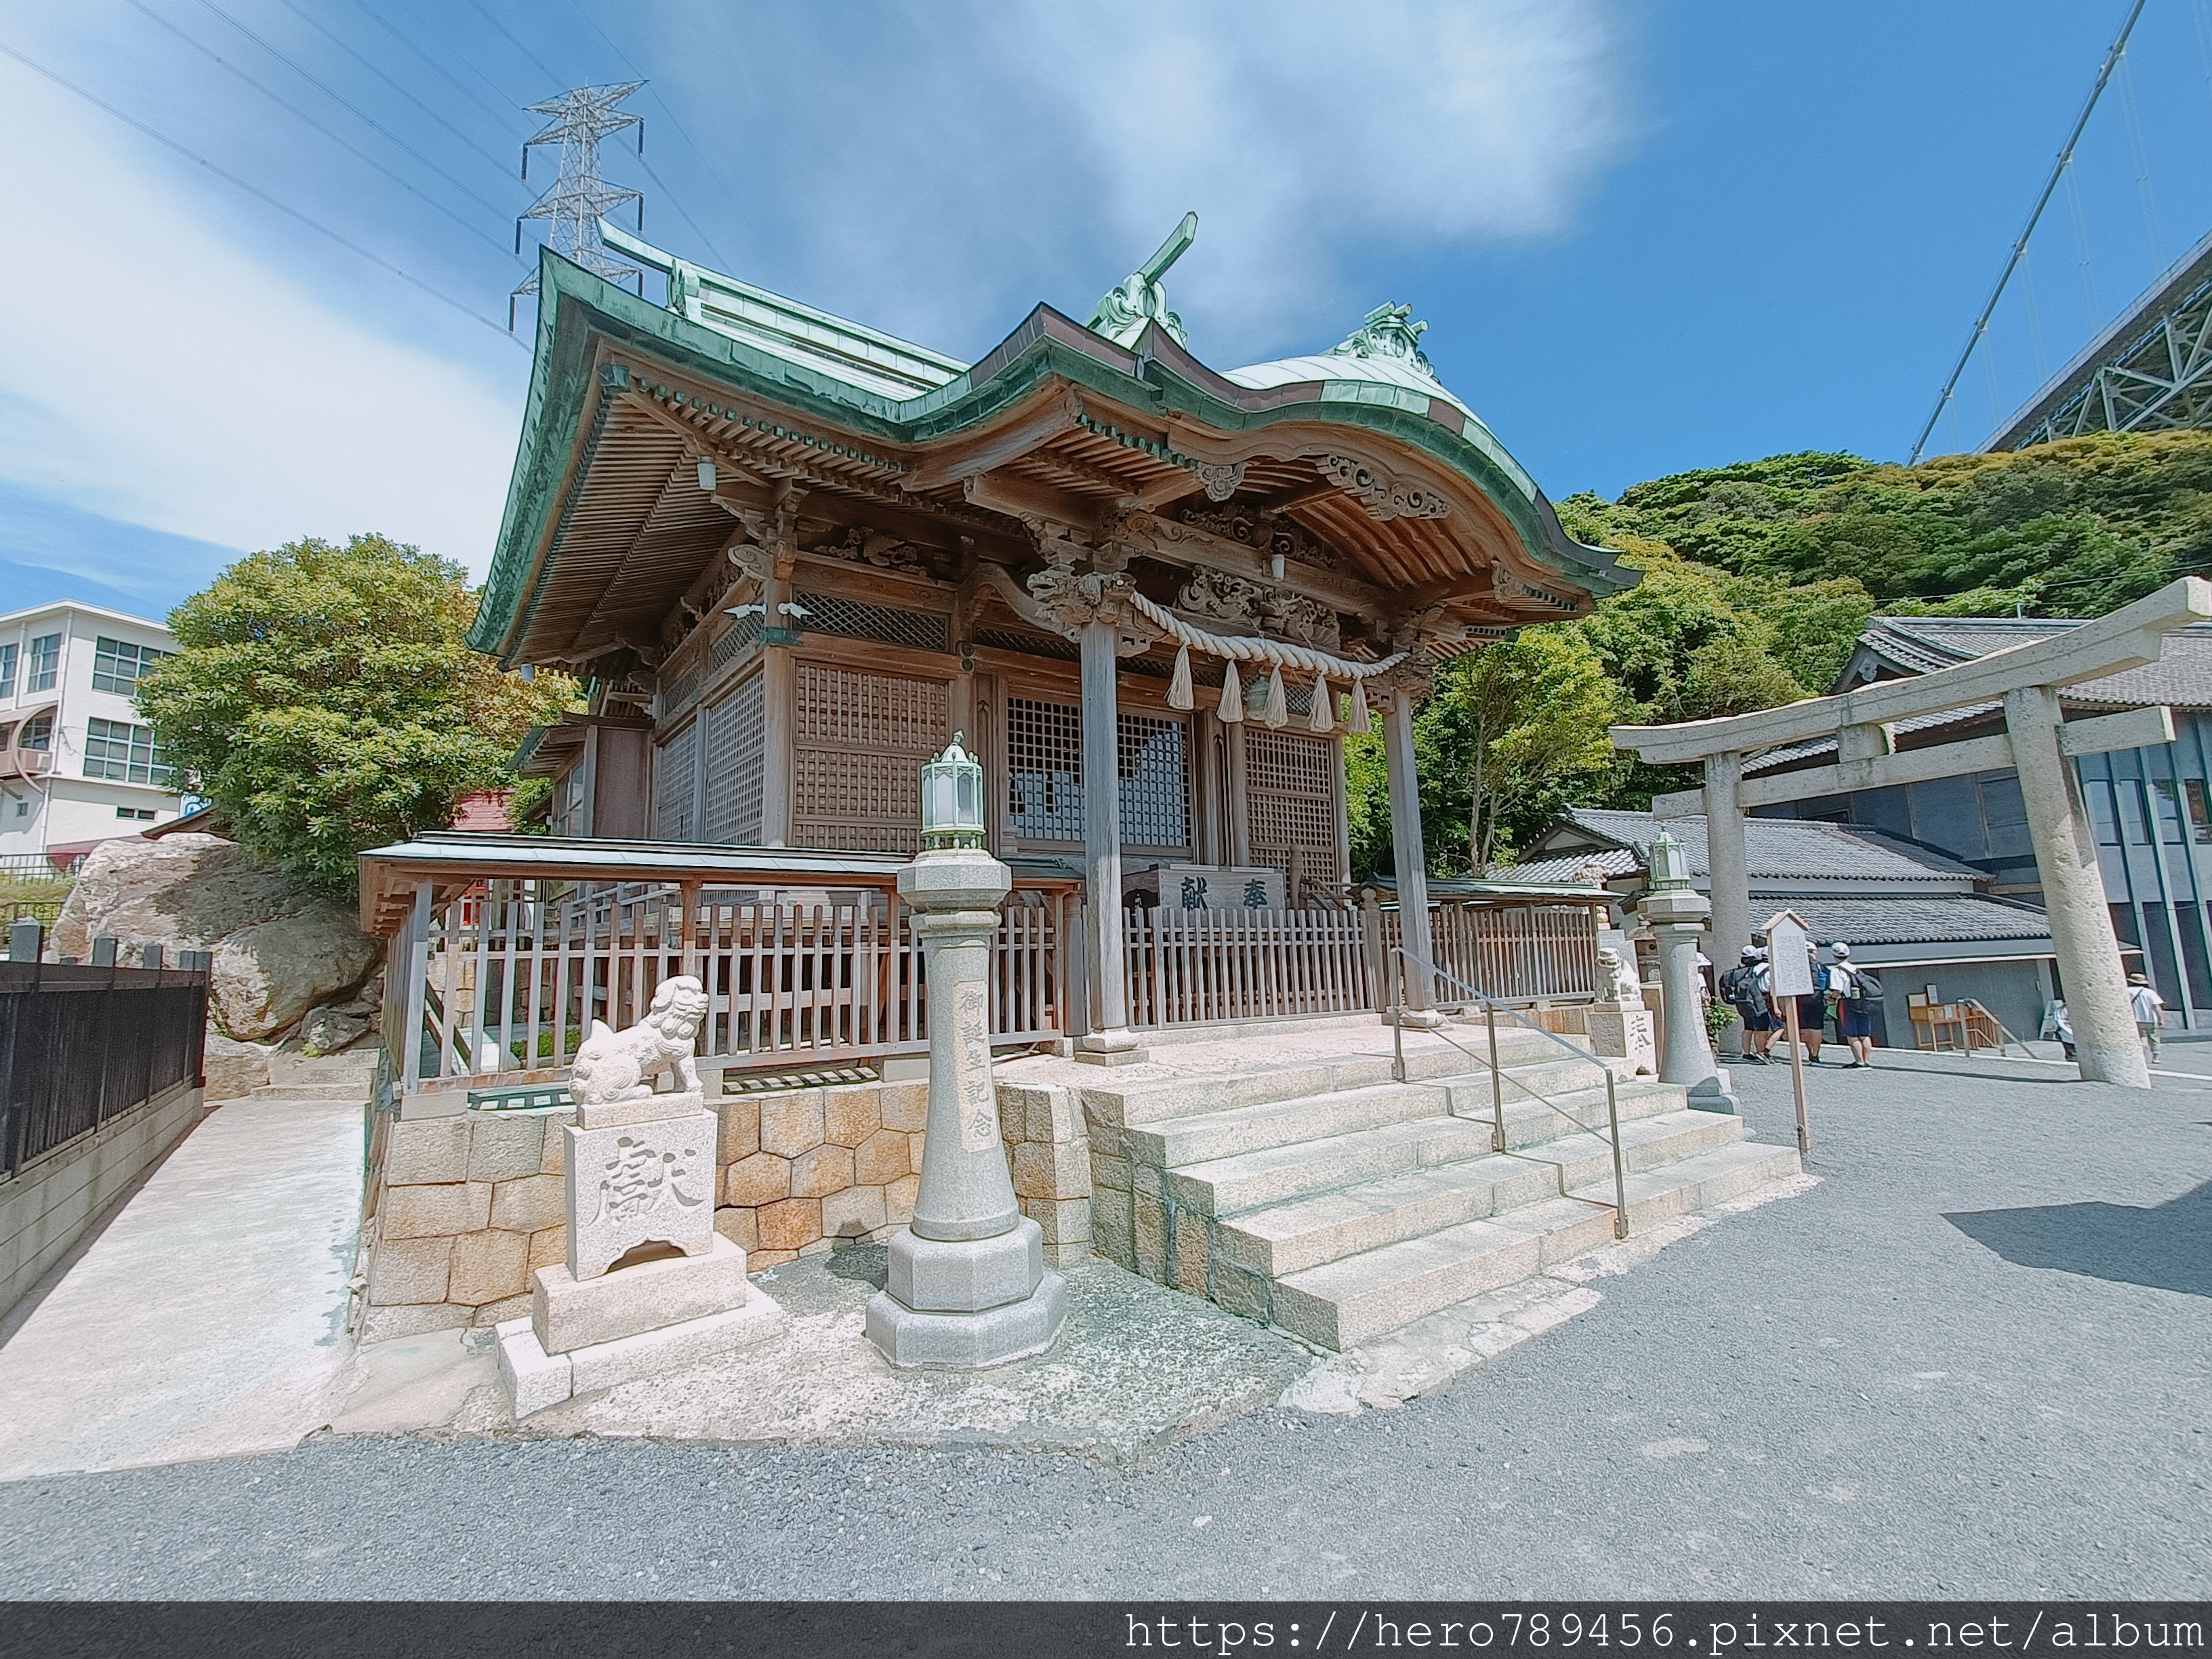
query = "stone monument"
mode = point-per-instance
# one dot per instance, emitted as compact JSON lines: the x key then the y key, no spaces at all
{"x":648,"y":1284}
{"x":1619,"y":1024}
{"x":968,"y":1285}
{"x":1677,"y":913}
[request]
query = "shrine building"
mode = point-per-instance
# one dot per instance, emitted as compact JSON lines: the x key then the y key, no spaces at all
{"x":792,"y":557}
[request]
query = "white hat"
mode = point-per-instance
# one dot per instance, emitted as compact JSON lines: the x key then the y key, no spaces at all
{"x":1839,"y":950}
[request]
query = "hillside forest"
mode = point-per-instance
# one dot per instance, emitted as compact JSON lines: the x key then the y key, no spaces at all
{"x":1757,"y":580}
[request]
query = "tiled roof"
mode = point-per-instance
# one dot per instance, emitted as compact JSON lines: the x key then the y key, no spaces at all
{"x":1775,"y":849}
{"x":1614,"y":861}
{"x":2183,"y":675}
{"x":1920,"y":921}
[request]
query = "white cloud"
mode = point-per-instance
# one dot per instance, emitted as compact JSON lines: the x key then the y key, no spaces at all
{"x":160,"y":372}
{"x":934,"y":173}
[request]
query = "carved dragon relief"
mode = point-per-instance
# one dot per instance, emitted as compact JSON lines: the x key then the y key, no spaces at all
{"x":1382,"y":493}
{"x":1273,"y":611}
{"x":876,"y":548}
{"x":1277,"y":537}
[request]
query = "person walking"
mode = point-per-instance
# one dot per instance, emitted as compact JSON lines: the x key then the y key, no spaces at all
{"x":1743,"y":988}
{"x":1812,"y":1011}
{"x":2058,"y":1023}
{"x":1856,"y":992}
{"x":2150,"y":1009}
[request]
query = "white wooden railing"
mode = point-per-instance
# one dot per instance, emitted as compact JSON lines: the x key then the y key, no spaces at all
{"x":500,"y":983}
{"x":1192,"y":967}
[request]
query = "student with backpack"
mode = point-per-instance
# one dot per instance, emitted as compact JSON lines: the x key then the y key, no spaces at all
{"x":1743,"y":988}
{"x":1855,"y":990}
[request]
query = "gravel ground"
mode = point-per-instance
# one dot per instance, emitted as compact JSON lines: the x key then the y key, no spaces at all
{"x":1973,"y":1361}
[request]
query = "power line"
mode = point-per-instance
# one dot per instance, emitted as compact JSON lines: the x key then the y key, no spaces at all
{"x":544,"y":69}
{"x":667,"y":109}
{"x":334,"y":40}
{"x":255,"y":190}
{"x":353,"y":149}
{"x":2050,"y":184}
{"x":349,"y":106}
{"x":496,"y":114}
{"x":517,"y":44}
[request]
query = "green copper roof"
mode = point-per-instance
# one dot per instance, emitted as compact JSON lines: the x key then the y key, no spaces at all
{"x":867,"y":384}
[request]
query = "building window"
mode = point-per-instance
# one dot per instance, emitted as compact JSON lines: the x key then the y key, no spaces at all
{"x":38,"y":733}
{"x":1044,"y":776}
{"x":46,"y":664}
{"x":2200,"y":811}
{"x":117,"y":664}
{"x":140,"y":814}
{"x":7,"y":669}
{"x":7,"y":731}
{"x":125,"y":754}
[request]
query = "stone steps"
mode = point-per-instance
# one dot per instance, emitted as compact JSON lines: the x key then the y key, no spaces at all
{"x":1310,"y":1231}
{"x":312,"y":1091}
{"x":1341,"y":1303}
{"x":1321,"y":1194}
{"x":1147,"y":1098}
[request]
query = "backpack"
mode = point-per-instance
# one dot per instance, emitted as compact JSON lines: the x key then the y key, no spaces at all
{"x":1739,"y":988}
{"x":1868,"y":986}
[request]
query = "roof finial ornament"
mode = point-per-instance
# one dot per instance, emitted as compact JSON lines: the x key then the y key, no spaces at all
{"x":1139,"y":299}
{"x":1388,"y":331}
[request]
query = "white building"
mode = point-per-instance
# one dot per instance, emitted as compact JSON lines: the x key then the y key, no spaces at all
{"x":78,"y":763}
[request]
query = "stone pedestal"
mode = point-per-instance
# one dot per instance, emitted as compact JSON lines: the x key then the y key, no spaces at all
{"x":968,"y":1285}
{"x":639,"y":1184}
{"x":1624,"y":1030}
{"x":1677,"y":919}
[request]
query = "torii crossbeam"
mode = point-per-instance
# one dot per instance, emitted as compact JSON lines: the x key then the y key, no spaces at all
{"x":2036,"y":743}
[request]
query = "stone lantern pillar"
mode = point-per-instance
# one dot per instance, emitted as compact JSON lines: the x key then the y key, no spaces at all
{"x":1677,"y":912}
{"x":967,"y":1286}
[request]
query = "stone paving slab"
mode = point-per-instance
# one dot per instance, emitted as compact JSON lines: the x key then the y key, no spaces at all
{"x":1137,"y":1367}
{"x":208,"y":1319}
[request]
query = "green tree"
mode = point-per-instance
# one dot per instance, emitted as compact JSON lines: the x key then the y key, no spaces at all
{"x":323,"y":700}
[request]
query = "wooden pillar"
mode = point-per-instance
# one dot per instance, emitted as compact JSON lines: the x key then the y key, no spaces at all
{"x":1409,"y":854}
{"x":1240,"y":815}
{"x":1209,"y":788}
{"x":1726,"y":862}
{"x":2105,"y":1043}
{"x":1106,"y":970}
{"x":779,"y":723}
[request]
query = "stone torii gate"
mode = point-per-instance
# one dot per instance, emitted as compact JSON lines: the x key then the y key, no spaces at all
{"x":2037,"y":743}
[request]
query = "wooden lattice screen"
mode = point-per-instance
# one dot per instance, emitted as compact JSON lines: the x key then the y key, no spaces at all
{"x":860,"y":743}
{"x":675,"y":787}
{"x":733,"y":767}
{"x":1291,"y":788}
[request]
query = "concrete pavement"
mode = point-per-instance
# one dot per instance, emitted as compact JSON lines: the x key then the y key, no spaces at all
{"x":1930,"y":1374}
{"x":209,"y":1317}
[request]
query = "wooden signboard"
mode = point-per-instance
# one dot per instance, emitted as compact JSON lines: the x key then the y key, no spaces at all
{"x":1789,"y":975}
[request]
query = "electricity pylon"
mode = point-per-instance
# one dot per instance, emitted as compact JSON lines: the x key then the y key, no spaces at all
{"x":576,"y":121}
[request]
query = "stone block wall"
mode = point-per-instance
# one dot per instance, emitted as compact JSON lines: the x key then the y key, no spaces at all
{"x":461,"y":1210}
{"x":1049,"y":1145}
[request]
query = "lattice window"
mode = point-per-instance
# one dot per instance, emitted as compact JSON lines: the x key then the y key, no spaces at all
{"x":1044,"y":769}
{"x":829,"y":614}
{"x":1289,"y":788}
{"x":1154,"y":782}
{"x":1032,"y":645}
{"x":856,"y":769}
{"x":733,"y":767}
{"x":1044,"y":782}
{"x":675,"y":787}
{"x":738,"y":640}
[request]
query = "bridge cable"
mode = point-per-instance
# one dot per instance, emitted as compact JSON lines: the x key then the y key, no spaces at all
{"x":2154,"y":231}
{"x":2020,"y":246}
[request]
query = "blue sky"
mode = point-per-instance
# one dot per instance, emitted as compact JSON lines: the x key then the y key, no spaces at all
{"x":1646,"y":236}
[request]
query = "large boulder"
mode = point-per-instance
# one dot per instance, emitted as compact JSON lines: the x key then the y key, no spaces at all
{"x":233,"y":1069}
{"x":277,"y":952}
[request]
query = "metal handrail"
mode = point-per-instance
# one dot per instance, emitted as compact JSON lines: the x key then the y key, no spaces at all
{"x":1490,"y":1010}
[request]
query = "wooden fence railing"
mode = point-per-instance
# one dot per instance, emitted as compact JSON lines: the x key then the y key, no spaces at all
{"x":809,"y":960}
{"x":502,"y":981}
{"x":1192,"y":967}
